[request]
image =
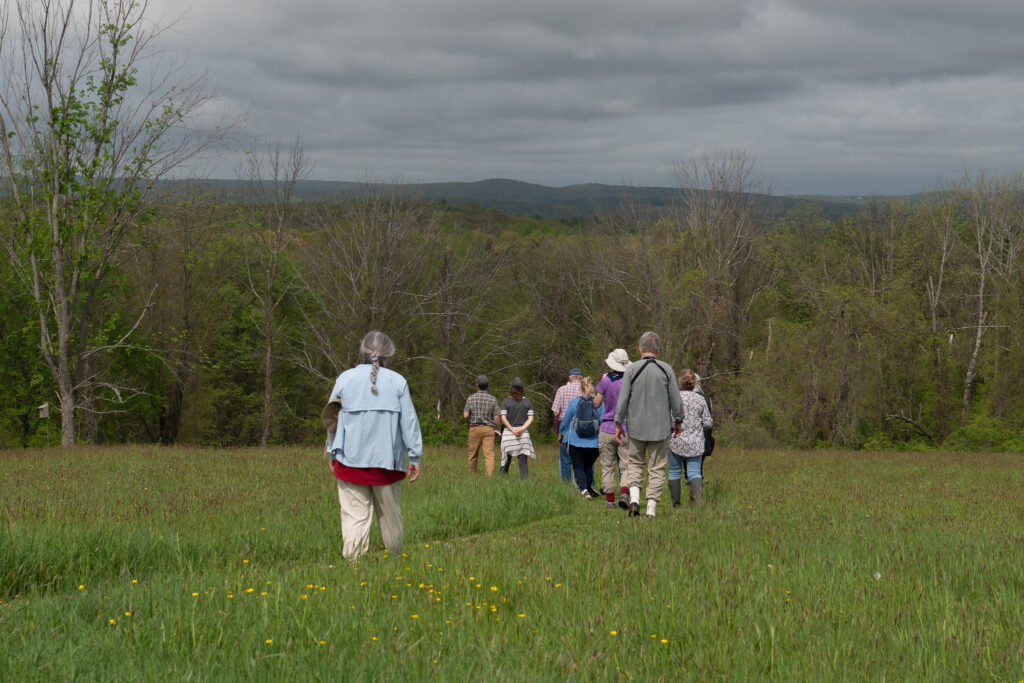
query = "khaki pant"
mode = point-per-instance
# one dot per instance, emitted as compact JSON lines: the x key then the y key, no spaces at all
{"x":613,"y":455}
{"x":655,"y":454}
{"x":481,"y":435}
{"x":358,"y":503}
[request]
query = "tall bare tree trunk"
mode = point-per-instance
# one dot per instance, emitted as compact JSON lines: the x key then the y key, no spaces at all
{"x":272,"y":177}
{"x":972,"y":364}
{"x":268,"y":370}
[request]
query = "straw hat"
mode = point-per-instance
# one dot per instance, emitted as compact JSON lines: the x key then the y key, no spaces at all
{"x":330,"y":415}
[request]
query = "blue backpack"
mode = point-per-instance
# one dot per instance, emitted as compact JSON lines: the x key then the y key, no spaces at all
{"x":586,"y":422}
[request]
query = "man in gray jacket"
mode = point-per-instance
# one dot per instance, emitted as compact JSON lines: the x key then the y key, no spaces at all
{"x":650,"y":402}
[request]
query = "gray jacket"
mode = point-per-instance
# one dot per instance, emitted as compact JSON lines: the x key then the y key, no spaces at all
{"x":651,"y":403}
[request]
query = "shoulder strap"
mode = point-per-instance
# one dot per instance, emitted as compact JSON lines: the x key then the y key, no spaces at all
{"x":651,"y":360}
{"x":648,"y":361}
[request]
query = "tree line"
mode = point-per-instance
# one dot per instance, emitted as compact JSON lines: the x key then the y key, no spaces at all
{"x":225,"y":321}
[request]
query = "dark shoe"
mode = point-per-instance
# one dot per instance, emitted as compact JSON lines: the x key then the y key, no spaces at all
{"x":634,"y":509}
{"x":624,"y":501}
{"x":675,"y":487}
{"x":593,"y":493}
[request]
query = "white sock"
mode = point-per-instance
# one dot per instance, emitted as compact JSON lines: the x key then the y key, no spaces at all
{"x":634,"y":494}
{"x":651,"y":505}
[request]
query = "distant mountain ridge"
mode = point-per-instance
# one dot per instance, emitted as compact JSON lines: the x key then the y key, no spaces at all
{"x":519,"y":198}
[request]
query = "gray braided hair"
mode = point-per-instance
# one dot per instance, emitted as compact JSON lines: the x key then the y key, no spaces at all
{"x":376,"y":345}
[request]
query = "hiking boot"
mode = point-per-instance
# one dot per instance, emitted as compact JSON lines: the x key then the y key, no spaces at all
{"x":634,"y":509}
{"x":624,"y":501}
{"x":610,"y":505}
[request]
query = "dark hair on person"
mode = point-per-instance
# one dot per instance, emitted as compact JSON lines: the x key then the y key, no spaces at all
{"x":687,"y":380}
{"x":375,"y":349}
{"x":515,"y":389}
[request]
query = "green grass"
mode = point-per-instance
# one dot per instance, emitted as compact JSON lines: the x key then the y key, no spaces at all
{"x":176,"y":563}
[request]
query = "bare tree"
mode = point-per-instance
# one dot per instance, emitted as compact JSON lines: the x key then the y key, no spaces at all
{"x":269,"y":204}
{"x":82,"y":140}
{"x":367,"y":267}
{"x":993,"y":213}
{"x":467,"y":286}
{"x":189,"y":252}
{"x":942,"y":223}
{"x":726,"y":203}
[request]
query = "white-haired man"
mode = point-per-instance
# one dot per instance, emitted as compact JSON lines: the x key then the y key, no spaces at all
{"x":650,"y":402}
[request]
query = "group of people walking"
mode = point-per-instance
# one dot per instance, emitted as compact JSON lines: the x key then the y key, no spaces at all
{"x":637,"y":414}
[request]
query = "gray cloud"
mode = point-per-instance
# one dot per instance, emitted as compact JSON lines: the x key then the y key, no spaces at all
{"x":879,"y":96}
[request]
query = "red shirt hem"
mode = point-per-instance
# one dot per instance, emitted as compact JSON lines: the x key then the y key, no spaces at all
{"x":366,"y":476}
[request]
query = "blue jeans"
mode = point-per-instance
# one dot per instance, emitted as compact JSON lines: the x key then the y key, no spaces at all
{"x":694,"y":467}
{"x":564,"y":462}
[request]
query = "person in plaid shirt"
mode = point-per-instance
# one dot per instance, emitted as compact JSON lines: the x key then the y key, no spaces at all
{"x":565,"y":393}
{"x":483,"y":414}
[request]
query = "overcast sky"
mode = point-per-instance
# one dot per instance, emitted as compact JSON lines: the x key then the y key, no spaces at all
{"x":830,"y":96}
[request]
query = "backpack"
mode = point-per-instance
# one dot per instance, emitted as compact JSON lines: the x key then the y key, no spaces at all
{"x":586,"y":422}
{"x":709,"y":440}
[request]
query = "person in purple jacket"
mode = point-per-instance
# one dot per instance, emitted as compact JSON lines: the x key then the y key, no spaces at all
{"x":611,"y":451}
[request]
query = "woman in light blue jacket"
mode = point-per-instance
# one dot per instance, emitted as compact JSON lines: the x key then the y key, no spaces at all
{"x":375,"y":444}
{"x":582,"y":439}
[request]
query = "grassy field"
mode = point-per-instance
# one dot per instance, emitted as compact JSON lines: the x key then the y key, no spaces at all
{"x":175,"y":563}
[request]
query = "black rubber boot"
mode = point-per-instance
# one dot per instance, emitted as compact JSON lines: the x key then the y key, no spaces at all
{"x":675,"y":487}
{"x":697,"y":491}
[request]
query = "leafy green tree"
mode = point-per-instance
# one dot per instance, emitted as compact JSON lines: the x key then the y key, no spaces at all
{"x":82,"y":140}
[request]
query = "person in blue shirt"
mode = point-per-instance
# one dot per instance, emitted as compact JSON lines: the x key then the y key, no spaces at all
{"x":375,"y":443}
{"x":583,"y":450}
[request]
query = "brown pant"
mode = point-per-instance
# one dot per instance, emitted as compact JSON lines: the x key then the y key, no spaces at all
{"x":481,"y":435}
{"x":655,"y":455}
{"x":613,"y":457}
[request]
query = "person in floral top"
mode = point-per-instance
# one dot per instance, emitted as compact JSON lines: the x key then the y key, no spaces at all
{"x":687,"y":449}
